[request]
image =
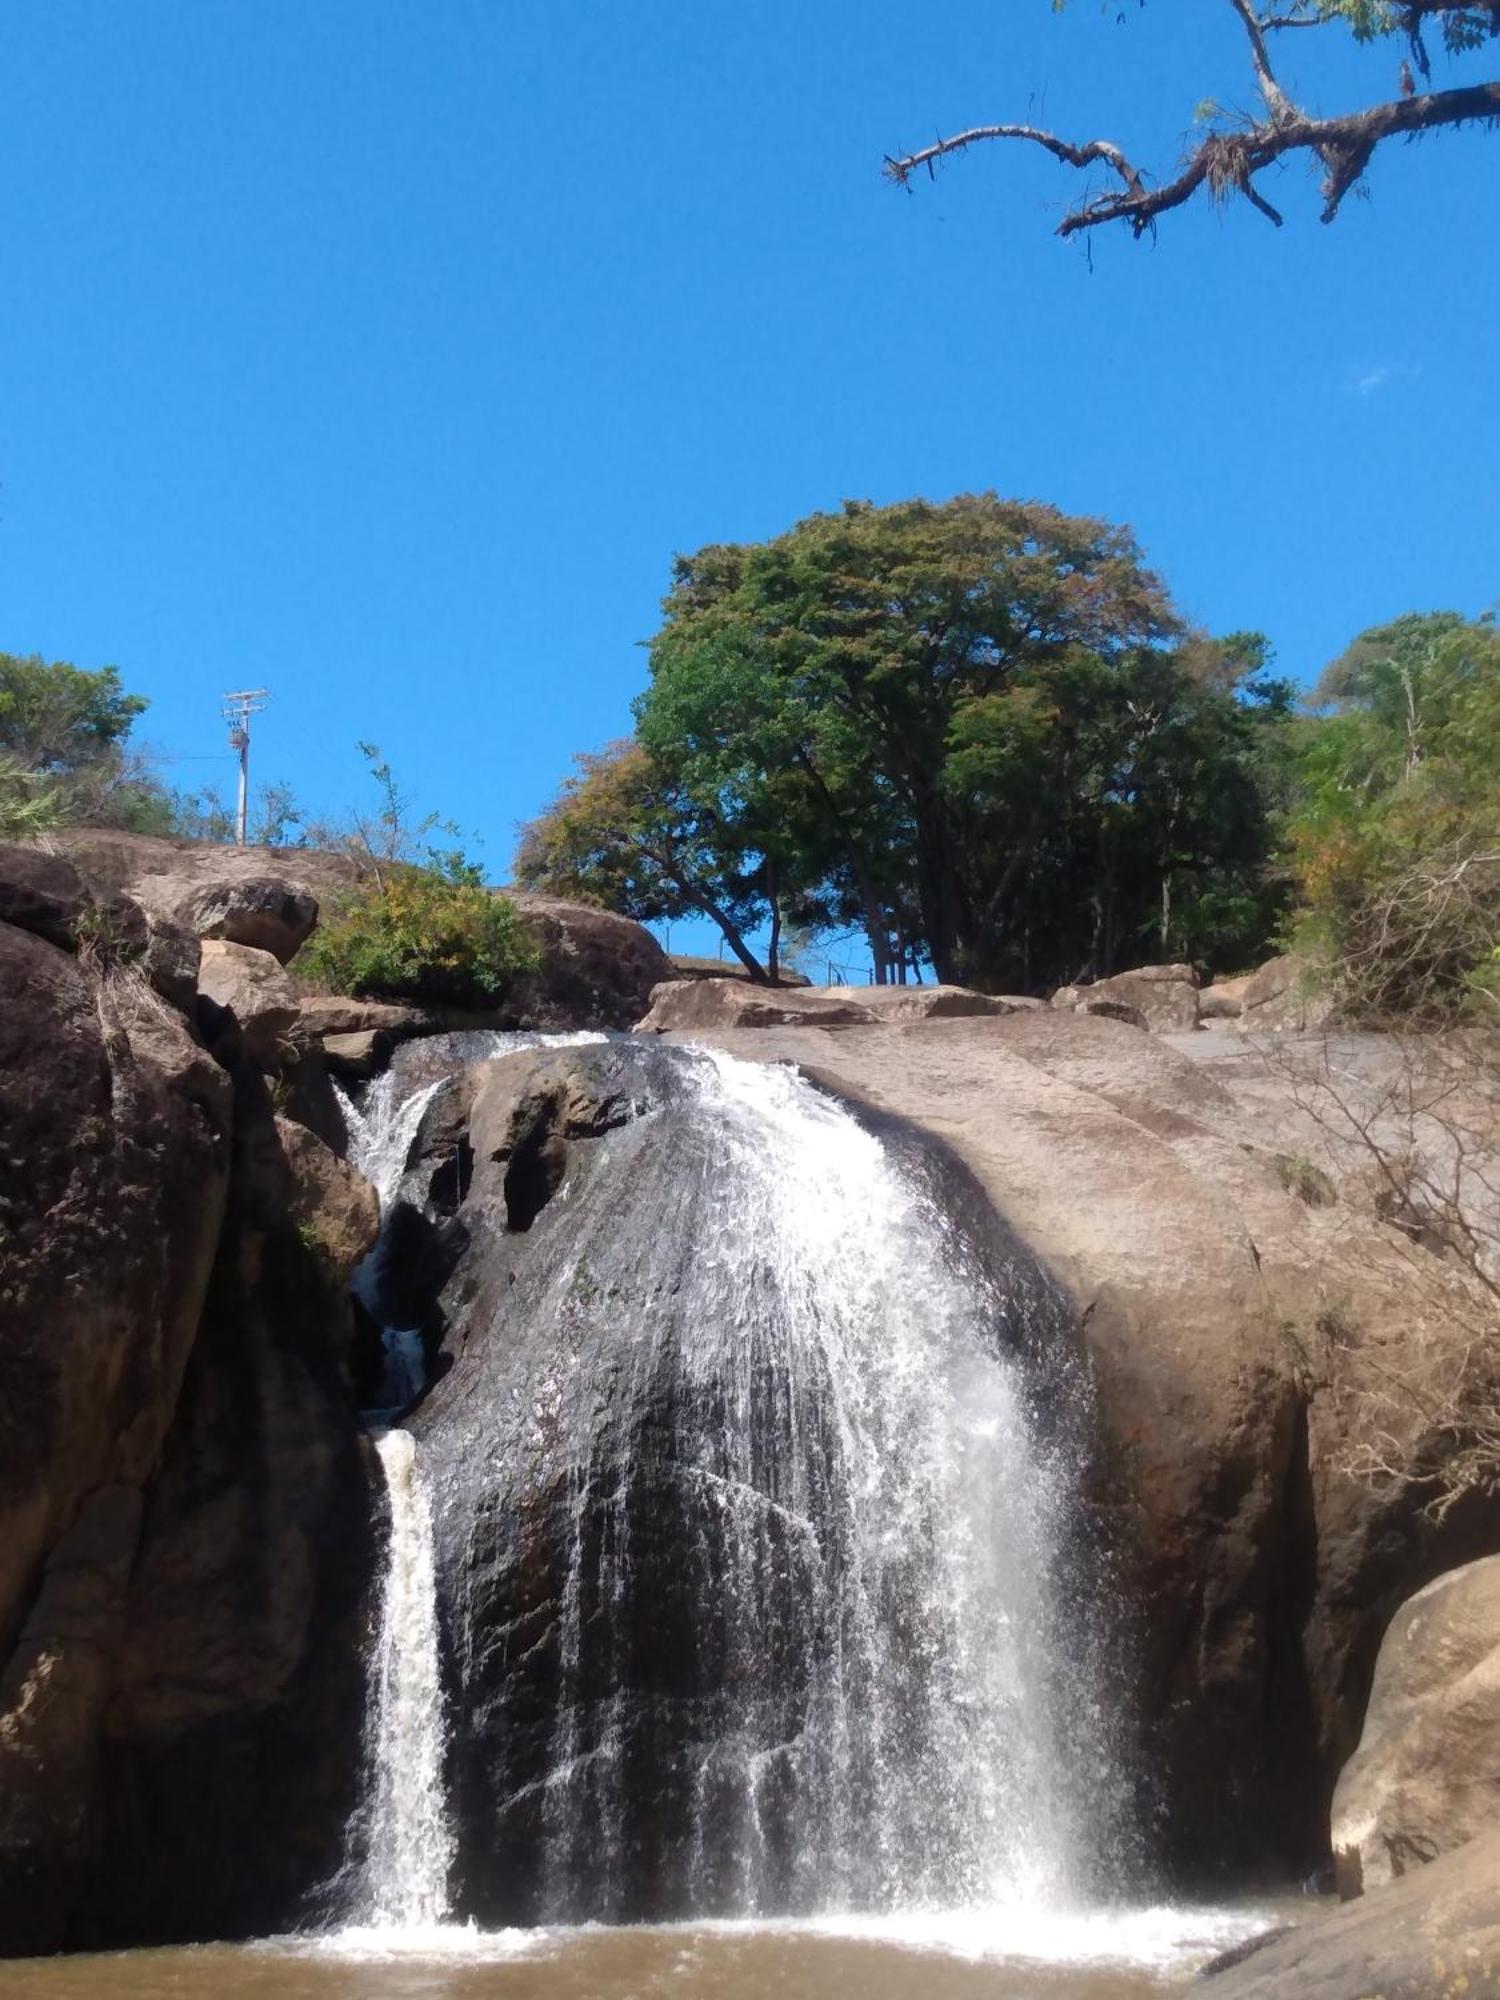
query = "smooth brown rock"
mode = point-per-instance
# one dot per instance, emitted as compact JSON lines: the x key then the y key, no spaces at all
{"x":1163,"y":998}
{"x":1283,"y":994}
{"x":732,"y":1003}
{"x":357,"y":1036}
{"x":114,"y":1153}
{"x":597,"y":969}
{"x":1426,"y":1775}
{"x":231,"y":1758}
{"x":915,"y":1003}
{"x":252,"y":985}
{"x":114,"y":1156}
{"x":1433,"y":1936}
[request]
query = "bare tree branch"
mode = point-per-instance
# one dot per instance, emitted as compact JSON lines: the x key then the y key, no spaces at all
{"x":1277,"y":102}
{"x":1226,"y":162}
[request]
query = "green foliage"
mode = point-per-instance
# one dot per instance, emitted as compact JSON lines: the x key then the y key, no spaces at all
{"x":975,"y":730}
{"x":433,"y":936}
{"x":57,"y":718}
{"x":29,"y":805}
{"x":63,"y":734}
{"x":1395,"y":840}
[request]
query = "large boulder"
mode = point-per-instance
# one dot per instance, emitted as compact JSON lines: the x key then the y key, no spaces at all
{"x":1163,"y":998}
{"x":230,"y":1760}
{"x":1283,"y":994}
{"x":1433,"y":1936}
{"x":1237,"y":1331}
{"x":687,"y":1004}
{"x":264,"y":897}
{"x":252,"y":985}
{"x":43,"y":893}
{"x":185,"y":1505}
{"x":1426,"y":1775}
{"x":597,"y":969}
{"x":1224,"y":1000}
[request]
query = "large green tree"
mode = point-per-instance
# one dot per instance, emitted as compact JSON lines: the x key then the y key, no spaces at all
{"x":63,"y":739}
{"x":1232,"y":147}
{"x":975,"y":730}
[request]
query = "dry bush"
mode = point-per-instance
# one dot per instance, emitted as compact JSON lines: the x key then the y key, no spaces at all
{"x":1414,"y":1123}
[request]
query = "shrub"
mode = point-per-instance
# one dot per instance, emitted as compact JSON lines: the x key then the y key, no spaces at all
{"x":435,"y":937}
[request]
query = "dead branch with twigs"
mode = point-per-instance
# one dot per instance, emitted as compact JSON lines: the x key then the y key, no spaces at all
{"x":1227,"y":159}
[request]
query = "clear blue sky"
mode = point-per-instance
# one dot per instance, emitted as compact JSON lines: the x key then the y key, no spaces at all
{"x":384,"y":352}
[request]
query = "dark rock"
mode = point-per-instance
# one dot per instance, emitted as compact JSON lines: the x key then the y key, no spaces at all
{"x":171,"y":963}
{"x":43,"y":894}
{"x":231,"y":1759}
{"x":114,"y":1158}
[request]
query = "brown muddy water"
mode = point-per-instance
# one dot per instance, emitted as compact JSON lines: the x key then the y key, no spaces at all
{"x":1137,"y":1956}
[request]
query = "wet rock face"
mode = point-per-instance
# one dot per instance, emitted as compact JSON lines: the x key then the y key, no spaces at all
{"x":642,"y":1514}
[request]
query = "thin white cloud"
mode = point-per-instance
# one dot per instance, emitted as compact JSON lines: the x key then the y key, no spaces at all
{"x":1372,"y":381}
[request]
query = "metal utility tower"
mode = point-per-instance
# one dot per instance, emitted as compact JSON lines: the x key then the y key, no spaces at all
{"x":238,"y":709}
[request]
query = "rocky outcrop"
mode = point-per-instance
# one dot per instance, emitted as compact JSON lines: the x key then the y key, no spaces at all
{"x":735,"y":1003}
{"x":597,"y":969}
{"x":1433,"y":1936}
{"x":230,"y":1760}
{"x":184,"y":1512}
{"x":1234,"y":1330}
{"x":1163,"y":998}
{"x":263,"y":897}
{"x":1426,"y":1775}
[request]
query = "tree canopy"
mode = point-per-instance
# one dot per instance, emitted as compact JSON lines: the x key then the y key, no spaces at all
{"x":1232,"y":149}
{"x":976,"y":731}
{"x":64,"y":752}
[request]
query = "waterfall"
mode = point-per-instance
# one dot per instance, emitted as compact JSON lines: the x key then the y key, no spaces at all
{"x":411,"y":1845}
{"x":752,"y":1532}
{"x":408,"y":1834}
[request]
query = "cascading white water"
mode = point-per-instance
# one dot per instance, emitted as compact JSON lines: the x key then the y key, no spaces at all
{"x":381,"y":1128}
{"x":410,"y":1836}
{"x":861,"y":1493}
{"x":408,"y":1831}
